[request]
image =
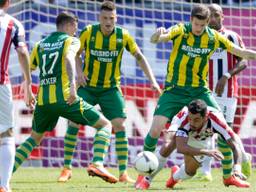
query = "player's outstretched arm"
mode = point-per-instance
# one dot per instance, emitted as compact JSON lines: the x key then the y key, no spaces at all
{"x":243,"y":53}
{"x":184,"y":148}
{"x":161,"y":35}
{"x":142,"y":61}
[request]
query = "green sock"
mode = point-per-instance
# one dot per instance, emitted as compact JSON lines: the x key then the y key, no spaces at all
{"x":69,"y":145}
{"x":23,"y":152}
{"x":100,"y":145}
{"x":122,"y":151}
{"x":150,"y":143}
{"x":227,"y":163}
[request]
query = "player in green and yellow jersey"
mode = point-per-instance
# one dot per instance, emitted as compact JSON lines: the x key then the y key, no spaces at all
{"x":193,"y":45}
{"x":57,"y":96}
{"x":104,"y":44}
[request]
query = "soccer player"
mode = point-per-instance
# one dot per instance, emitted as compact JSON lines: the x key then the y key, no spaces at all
{"x":57,"y":96}
{"x":11,"y":32}
{"x":103,"y":45}
{"x":196,"y":125}
{"x":186,"y":79}
{"x":223,"y":68}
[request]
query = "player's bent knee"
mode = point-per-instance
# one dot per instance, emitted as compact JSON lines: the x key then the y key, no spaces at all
{"x":191,"y":165}
{"x":103,"y":122}
{"x":154,"y":132}
{"x":37,"y":137}
{"x":118,"y":124}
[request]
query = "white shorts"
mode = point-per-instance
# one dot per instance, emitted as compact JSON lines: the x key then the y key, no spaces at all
{"x":6,"y":108}
{"x":228,"y":107}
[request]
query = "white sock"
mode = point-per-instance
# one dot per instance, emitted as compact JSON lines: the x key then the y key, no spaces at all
{"x":162,"y":161}
{"x":206,"y":165}
{"x":181,"y":174}
{"x":7,"y":155}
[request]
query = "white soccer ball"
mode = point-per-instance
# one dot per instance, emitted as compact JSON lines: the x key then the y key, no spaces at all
{"x":146,"y":163}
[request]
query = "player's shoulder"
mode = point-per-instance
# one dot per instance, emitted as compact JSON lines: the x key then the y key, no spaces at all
{"x":212,"y":33}
{"x":229,"y":31}
{"x":123,"y":30}
{"x":86,"y":29}
{"x":231,"y":35}
{"x":15,"y":21}
{"x":215,"y":114}
{"x":179,"y":26}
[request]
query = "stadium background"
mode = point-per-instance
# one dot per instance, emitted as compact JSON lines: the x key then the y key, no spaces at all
{"x":141,"y":18}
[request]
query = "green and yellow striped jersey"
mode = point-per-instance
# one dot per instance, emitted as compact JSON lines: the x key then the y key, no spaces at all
{"x":103,"y":55}
{"x":49,"y":55}
{"x":188,"y":62}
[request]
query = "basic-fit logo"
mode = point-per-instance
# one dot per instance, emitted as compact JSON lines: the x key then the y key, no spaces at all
{"x":195,"y":52}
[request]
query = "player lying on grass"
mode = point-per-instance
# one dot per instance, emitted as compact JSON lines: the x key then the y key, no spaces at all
{"x":55,"y":56}
{"x":195,"y":125}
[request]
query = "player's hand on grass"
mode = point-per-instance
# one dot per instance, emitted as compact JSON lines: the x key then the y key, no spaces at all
{"x":73,"y":95}
{"x":221,"y":85}
{"x":215,"y":154}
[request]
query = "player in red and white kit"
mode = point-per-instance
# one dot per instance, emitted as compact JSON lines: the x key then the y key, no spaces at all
{"x":222,"y":79}
{"x":11,"y":32}
{"x":195,"y":126}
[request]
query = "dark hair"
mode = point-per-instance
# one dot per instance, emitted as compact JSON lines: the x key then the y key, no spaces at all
{"x":201,"y":12}
{"x":197,"y":106}
{"x":108,"y":6}
{"x":2,"y":3}
{"x":65,"y":17}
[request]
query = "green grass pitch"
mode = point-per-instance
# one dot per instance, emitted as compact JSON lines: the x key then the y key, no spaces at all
{"x":44,"y":180}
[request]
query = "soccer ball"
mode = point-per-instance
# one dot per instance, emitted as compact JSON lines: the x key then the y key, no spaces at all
{"x":146,"y":163}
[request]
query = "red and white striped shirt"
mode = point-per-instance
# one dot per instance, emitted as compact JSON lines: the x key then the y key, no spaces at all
{"x":221,"y":62}
{"x":215,"y":124}
{"x":11,"y":31}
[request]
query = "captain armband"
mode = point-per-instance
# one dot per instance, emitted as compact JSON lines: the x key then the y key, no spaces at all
{"x":181,"y":133}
